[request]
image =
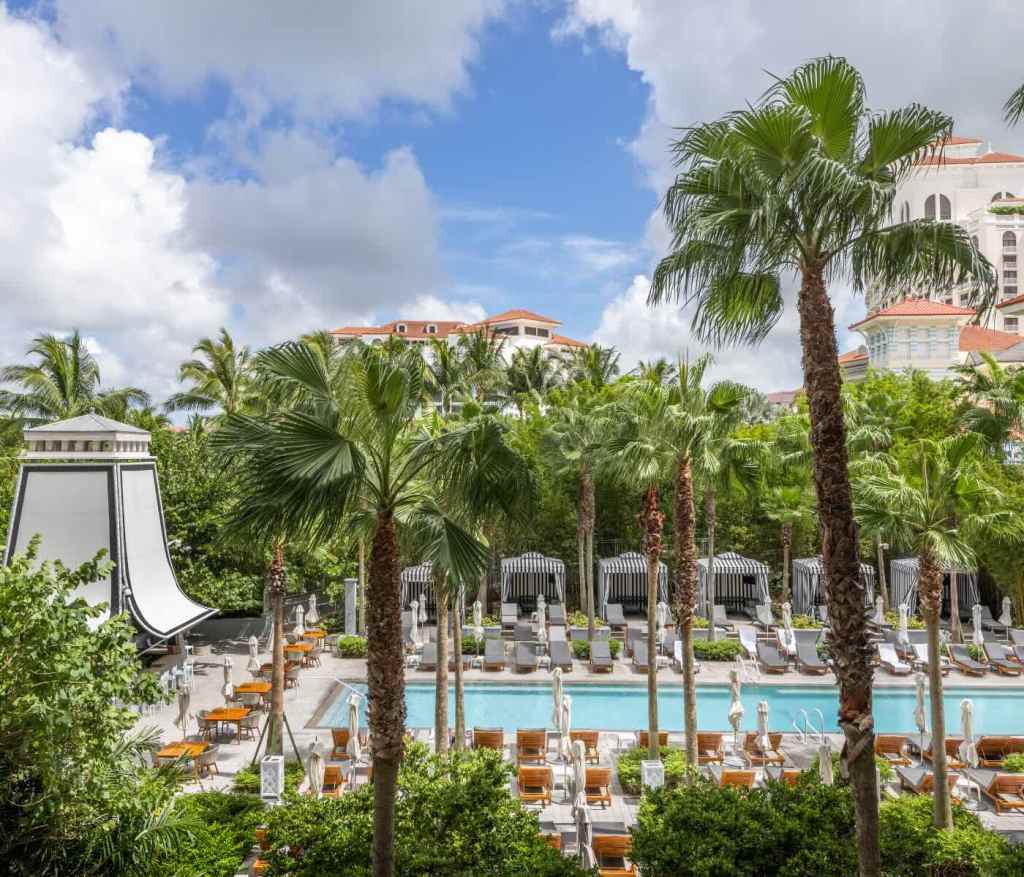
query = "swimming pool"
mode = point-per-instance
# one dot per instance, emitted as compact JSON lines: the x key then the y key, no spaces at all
{"x":624,"y":707}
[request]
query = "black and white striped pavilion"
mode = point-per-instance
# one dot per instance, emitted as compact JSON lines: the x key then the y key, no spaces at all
{"x":905,"y":575}
{"x":417,"y":580}
{"x":530,"y":574}
{"x":740,"y":582}
{"x":623,"y":579}
{"x":809,"y":584}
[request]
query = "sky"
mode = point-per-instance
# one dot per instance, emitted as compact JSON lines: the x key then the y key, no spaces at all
{"x":170,"y":168}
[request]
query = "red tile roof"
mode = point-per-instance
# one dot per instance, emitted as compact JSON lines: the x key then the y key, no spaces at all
{"x":1013,"y":301}
{"x":783,"y":397}
{"x":917,"y":307}
{"x":974,"y":338}
{"x":852,"y":356}
{"x":413,"y":329}
{"x":568,"y":342}
{"x":520,"y":314}
{"x":960,"y":141}
{"x":987,"y":158}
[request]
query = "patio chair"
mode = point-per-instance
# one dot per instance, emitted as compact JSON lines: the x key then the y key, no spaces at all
{"x":558,"y":651}
{"x":524,"y":658}
{"x":612,"y":854}
{"x":919,"y":659}
{"x":249,"y":726}
{"x":807,"y":658}
{"x":921,"y":781}
{"x":1016,"y":636}
{"x":598,"y":786}
{"x":763,"y":617}
{"x":643,"y":739}
{"x":953,"y":761}
{"x":206,"y":763}
{"x":1005,"y":791}
{"x":291,"y":677}
{"x":999,"y":659}
{"x":992,"y":751}
{"x":962,"y":660}
{"x":207,"y":728}
{"x":556,"y":633}
{"x":589,"y":740}
{"x":888,"y":658}
{"x":494,"y":654}
{"x":641,"y":660}
{"x":523,"y":632}
{"x":428,"y":657}
{"x":556,"y":614}
{"x":739,"y":779}
{"x":668,"y":645}
{"x":721,"y":619}
{"x":554,"y":841}
{"x":334,"y":782}
{"x":758,"y":758}
{"x":891,"y":748}
{"x":788,"y":776}
{"x":614,"y":616}
{"x":748,"y":639}
{"x":531,"y":746}
{"x":489,"y":738}
{"x":771,"y":659}
{"x":709,"y":747}
{"x":313,"y":658}
{"x":509,"y":614}
{"x":251,"y":699}
{"x":989,"y":622}
{"x":600,"y":657}
{"x":634,"y":635}
{"x":339,"y":743}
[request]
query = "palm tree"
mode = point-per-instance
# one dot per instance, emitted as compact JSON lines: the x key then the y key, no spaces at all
{"x":791,"y":506}
{"x":352,"y":440}
{"x":1013,"y":109}
{"x":446,"y":373}
{"x":533,"y":370}
{"x":63,"y":382}
{"x":660,"y":370}
{"x":804,"y":182}
{"x":994,"y":397}
{"x":936,"y":502}
{"x":483,"y":356}
{"x":220,"y":377}
{"x":594,"y":365}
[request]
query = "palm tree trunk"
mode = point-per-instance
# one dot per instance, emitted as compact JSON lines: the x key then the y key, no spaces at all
{"x":441,"y":676}
{"x":710,"y":523}
{"x":652,"y":521}
{"x":386,"y":688}
{"x":361,"y":628}
{"x":460,"y":700}
{"x":275,"y":736}
{"x":787,"y":547}
{"x":931,"y":601}
{"x":581,"y":556}
{"x":587,"y":568}
{"x":883,"y":585}
{"x":844,"y":590}
{"x":955,"y":628}
{"x":686,"y":598}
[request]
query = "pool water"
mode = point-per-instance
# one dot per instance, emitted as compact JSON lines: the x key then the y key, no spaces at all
{"x":624,"y":707}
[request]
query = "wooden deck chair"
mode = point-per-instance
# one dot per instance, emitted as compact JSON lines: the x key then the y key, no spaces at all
{"x":740,"y":779}
{"x":612,"y":854}
{"x":1005,"y":791}
{"x":890,"y":747}
{"x":644,"y":739}
{"x":953,"y":761}
{"x":589,"y":740}
{"x":531,"y":746}
{"x":709,"y":747}
{"x":788,"y":776}
{"x":755,"y":757}
{"x":489,"y":738}
{"x":334,"y":782}
{"x":339,"y":741}
{"x":921,"y":781}
{"x":534,"y":784}
{"x":598,"y":786}
{"x":553,"y":840}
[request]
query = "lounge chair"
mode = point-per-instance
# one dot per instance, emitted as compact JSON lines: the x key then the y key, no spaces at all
{"x":428,"y":657}
{"x":720,"y":619}
{"x":334,"y":782}
{"x":643,"y":739}
{"x":494,"y":654}
{"x":600,"y":657}
{"x":677,"y":657}
{"x":612,"y":854}
{"x":531,"y":746}
{"x":598,"y":786}
{"x":553,"y":840}
{"x":614,"y":616}
{"x":786,"y":775}
{"x":633,"y":636}
{"x":1004,"y":790}
{"x":489,"y":738}
{"x":709,"y":747}
{"x":556,"y":614}
{"x":888,"y":658}
{"x":993,"y":750}
{"x":988,"y":622}
{"x":589,"y":740}
{"x":921,"y":781}
{"x":919,"y":659}
{"x":556,"y":633}
{"x":641,"y":660}
{"x":535,"y":785}
{"x":953,"y":761}
{"x":807,"y":658}
{"x":339,"y":744}
{"x":509,"y":614}
{"x":811,"y":636}
{"x":757,"y":757}
{"x":771,"y":658}
{"x":560,"y":655}
{"x":763,"y":616}
{"x":999,"y":659}
{"x":964,"y":662}
{"x":739,"y":779}
{"x":524,"y":632}
{"x":524,"y":658}
{"x":891,"y":748}
{"x":748,"y":639}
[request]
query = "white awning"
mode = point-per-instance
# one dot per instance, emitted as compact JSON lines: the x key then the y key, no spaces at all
{"x":623,"y":579}
{"x":418,"y":580}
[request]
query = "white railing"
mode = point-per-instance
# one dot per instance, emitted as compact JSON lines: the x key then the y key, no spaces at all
{"x":806,"y":729}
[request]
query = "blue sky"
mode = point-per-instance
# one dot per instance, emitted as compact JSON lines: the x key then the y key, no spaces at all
{"x":170,"y":168}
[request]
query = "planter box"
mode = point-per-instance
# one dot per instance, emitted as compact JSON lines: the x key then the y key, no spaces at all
{"x":580,"y":633}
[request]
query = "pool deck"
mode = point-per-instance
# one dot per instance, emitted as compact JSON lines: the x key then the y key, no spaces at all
{"x":319,"y":685}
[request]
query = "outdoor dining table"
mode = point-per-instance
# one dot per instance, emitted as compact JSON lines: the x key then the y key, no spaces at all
{"x":230,"y":716}
{"x":288,"y":665}
{"x":303,"y":648}
{"x":315,"y":633}
{"x":254,"y":687}
{"x":183,"y":749}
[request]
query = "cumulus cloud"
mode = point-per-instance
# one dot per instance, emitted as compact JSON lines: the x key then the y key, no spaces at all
{"x":430,"y":307}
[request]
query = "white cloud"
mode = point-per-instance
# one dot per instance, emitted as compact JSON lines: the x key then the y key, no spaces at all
{"x":597,"y":255}
{"x":430,"y":307}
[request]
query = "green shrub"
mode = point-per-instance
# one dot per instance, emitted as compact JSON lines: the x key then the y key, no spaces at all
{"x":805,"y":622}
{"x":1014,"y":763}
{"x":700,"y":622}
{"x":579,"y":619}
{"x":471,"y":647}
{"x":351,"y":647}
{"x":332,"y":622}
{"x":976,"y":652}
{"x":247,"y":780}
{"x":913,"y":623}
{"x":581,"y":649}
{"x":719,"y":650}
{"x":491,"y":621}
{"x":676,"y":769}
{"x":233,"y":593}
{"x":885,"y":770}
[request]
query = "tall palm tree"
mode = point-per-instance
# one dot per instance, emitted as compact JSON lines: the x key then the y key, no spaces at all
{"x":63,"y":382}
{"x":936,"y":503}
{"x":483,"y":356}
{"x":447,"y":373}
{"x":659,"y":370}
{"x":791,"y":506}
{"x":994,"y":400}
{"x":593,"y":364}
{"x":352,"y":439}
{"x":803,"y":183}
{"x":533,"y":370}
{"x":220,"y":377}
{"x":1013,"y":109}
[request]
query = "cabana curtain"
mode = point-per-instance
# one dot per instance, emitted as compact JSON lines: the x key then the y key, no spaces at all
{"x":418,"y":580}
{"x":739,"y":581}
{"x":623,"y":579}
{"x":809,"y":584}
{"x":906,"y":574}
{"x":530,"y":574}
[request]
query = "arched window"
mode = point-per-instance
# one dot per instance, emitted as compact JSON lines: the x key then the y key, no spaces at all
{"x":905,"y":212}
{"x":929,"y":207}
{"x":1009,"y":239}
{"x":999,"y":196}
{"x":945,"y":208}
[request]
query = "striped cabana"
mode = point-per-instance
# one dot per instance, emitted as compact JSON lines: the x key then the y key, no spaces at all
{"x":739,"y":581}
{"x":905,"y":573}
{"x":809,"y":584}
{"x":530,"y":574}
{"x":418,"y":580}
{"x":623,"y":579}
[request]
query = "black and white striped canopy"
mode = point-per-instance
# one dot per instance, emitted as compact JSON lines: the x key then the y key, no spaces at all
{"x":738,"y":580}
{"x":905,"y":576}
{"x":531,"y":574}
{"x":809,"y":584}
{"x":416,"y":581}
{"x":623,"y":579}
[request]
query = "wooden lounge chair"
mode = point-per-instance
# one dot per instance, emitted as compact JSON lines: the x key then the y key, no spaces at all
{"x":764,"y":619}
{"x":999,"y":659}
{"x":989,"y":622}
{"x":992,"y":750}
{"x":709,"y":747}
{"x":589,"y":740}
{"x":643,"y":739}
{"x":534,"y":785}
{"x":921,"y":781}
{"x":339,"y":743}
{"x":531,"y":746}
{"x":614,"y":616}
{"x":556,"y":616}
{"x":598,"y":786}
{"x":807,"y":658}
{"x":524,"y":658}
{"x":428,"y":658}
{"x":741,"y":779}
{"x":494,"y":654}
{"x":633,"y":636}
{"x":919,"y":659}
{"x":962,"y":660}
{"x":523,"y":632}
{"x":641,"y":660}
{"x":788,"y":776}
{"x":888,"y":659}
{"x":489,"y":738}
{"x":560,"y":655}
{"x":748,"y":639}
{"x":612,"y":854}
{"x":953,"y":761}
{"x":509,"y":614}
{"x":771,"y":658}
{"x":1004,"y":790}
{"x":553,"y":840}
{"x":755,"y":757}
{"x":334,"y":782}
{"x":890,"y":747}
{"x":600,"y":657}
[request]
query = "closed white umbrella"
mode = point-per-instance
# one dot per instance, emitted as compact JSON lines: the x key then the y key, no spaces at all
{"x":315,"y":769}
{"x":787,"y":626}
{"x":1006,"y":616}
{"x":184,"y":717}
{"x":313,"y":617}
{"x":556,"y":696}
{"x":254,"y":656}
{"x":564,"y":726}
{"x":735,"y":708}
{"x":414,"y":630}
{"x":979,"y":634}
{"x":825,"y":762}
{"x":584,"y":831}
{"x":542,"y":630}
{"x":353,"y":748}
{"x":579,"y":770}
{"x":764,"y":743}
{"x":478,"y":614}
{"x":920,"y":716}
{"x":300,"y":621}
{"x":879,"y":618}
{"x":228,"y":689}
{"x":660,"y":620}
{"x":903,"y":634}
{"x":968,"y":749}
{"x":423,"y":608}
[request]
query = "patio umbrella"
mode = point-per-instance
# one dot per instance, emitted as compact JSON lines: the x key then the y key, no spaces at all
{"x":903,"y":635}
{"x":920,"y":716}
{"x":300,"y":621}
{"x":414,"y":632}
{"x":228,"y":690}
{"x":313,"y":617}
{"x":584,"y":830}
{"x":423,"y":608}
{"x":542,"y":618}
{"x":556,"y":696}
{"x":879,"y":618}
{"x":763,"y":741}
{"x":353,"y":747}
{"x":787,"y":626}
{"x":579,"y":769}
{"x":184,"y":717}
{"x":478,"y":621}
{"x":735,"y":708}
{"x":661,"y":619}
{"x":1006,"y":617}
{"x":968,"y":750}
{"x":979,"y":634}
{"x":825,"y":762}
{"x":564,"y":726}
{"x":315,"y":768}
{"x":254,"y":656}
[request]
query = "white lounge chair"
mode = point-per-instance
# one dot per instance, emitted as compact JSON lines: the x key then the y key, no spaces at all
{"x":748,"y":639}
{"x":888,"y":658}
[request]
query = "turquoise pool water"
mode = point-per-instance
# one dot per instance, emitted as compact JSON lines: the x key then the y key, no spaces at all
{"x":624,"y":707}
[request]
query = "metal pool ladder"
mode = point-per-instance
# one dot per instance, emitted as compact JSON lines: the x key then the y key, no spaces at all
{"x":805,"y":728}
